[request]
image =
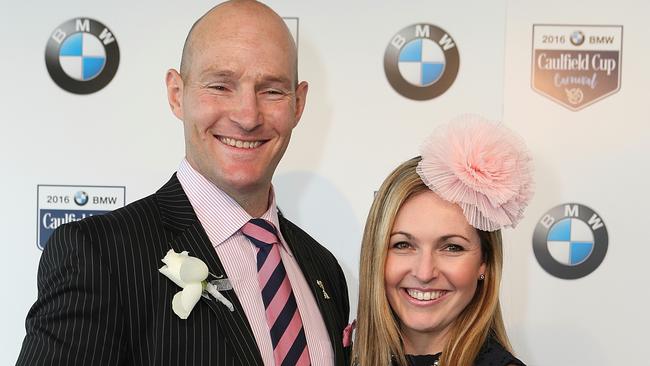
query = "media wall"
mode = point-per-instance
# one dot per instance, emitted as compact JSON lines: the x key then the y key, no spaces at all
{"x":86,"y":128}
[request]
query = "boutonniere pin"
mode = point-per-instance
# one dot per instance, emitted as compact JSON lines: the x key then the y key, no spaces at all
{"x":191,"y":275}
{"x":326,"y":296}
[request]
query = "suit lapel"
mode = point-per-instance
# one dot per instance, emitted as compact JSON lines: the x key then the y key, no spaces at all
{"x":310,"y":269}
{"x":178,"y":216}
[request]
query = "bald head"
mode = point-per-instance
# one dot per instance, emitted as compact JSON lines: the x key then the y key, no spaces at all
{"x":237,"y":18}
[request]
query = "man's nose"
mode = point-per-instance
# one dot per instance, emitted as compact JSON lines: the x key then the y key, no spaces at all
{"x":425,"y":267}
{"x":246,"y":112}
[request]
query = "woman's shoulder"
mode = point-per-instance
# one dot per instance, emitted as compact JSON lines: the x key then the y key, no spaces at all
{"x":494,"y":354}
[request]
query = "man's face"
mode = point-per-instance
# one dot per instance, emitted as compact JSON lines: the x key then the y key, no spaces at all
{"x":239,"y":104}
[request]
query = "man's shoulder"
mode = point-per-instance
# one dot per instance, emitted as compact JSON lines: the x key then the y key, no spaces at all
{"x":298,"y":236}
{"x":288,"y":228}
{"x":319,"y":263}
{"x":144,"y":207}
{"x":149,"y":208}
{"x":138,"y":227}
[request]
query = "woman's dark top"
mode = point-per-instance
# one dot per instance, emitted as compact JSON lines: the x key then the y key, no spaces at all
{"x":491,"y":354}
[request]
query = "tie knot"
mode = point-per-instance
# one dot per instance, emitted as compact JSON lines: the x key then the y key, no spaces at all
{"x":260,"y":232}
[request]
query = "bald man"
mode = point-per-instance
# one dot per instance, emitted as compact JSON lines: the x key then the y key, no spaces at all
{"x":101,"y":298}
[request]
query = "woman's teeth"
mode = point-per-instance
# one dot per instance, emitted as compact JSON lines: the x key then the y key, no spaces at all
{"x":423,"y":296}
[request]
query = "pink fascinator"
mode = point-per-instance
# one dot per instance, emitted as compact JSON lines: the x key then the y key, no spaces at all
{"x":483,"y":167}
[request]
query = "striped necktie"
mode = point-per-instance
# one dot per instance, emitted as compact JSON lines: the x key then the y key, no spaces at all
{"x":282,"y":315}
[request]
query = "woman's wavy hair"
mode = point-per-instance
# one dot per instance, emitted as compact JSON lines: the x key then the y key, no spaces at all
{"x":378,"y":340}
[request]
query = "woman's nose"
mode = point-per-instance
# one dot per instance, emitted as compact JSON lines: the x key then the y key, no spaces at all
{"x":425,"y":267}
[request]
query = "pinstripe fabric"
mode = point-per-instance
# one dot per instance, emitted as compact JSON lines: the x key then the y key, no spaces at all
{"x":101,"y":300}
{"x":222,"y":218}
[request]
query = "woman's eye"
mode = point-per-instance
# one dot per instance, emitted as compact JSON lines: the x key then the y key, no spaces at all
{"x":453,"y":248}
{"x":401,"y":245}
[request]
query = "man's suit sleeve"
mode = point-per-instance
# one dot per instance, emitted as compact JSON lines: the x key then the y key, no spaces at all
{"x":76,"y":318}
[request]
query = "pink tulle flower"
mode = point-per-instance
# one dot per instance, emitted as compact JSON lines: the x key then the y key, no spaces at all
{"x":482,"y":166}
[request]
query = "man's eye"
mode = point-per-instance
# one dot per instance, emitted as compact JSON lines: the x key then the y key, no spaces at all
{"x":274,"y":92}
{"x":218,"y":87}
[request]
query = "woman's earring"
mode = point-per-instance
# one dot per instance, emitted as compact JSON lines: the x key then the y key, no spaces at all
{"x":481,"y":277}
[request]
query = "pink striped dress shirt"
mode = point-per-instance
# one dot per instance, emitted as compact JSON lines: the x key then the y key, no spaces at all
{"x":222,"y":218}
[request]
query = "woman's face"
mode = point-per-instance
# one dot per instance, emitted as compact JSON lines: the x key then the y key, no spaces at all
{"x":433,"y":265}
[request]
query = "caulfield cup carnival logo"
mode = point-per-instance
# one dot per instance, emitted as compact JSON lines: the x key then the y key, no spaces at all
{"x":570,"y":241}
{"x":82,"y":56}
{"x":576,"y":65}
{"x":421,"y":61}
{"x":62,"y":204}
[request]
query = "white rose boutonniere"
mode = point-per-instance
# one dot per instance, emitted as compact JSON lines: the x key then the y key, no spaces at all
{"x":190,"y":274}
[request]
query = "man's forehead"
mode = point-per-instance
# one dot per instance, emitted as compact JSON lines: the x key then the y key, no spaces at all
{"x":241,"y":16}
{"x":240,"y":26}
{"x":234,"y":35}
{"x":258,"y":75}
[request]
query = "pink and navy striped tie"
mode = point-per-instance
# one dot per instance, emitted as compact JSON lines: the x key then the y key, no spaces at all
{"x":282,"y":315}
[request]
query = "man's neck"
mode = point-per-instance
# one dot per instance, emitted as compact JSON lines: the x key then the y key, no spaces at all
{"x":254,"y":203}
{"x":255,"y":200}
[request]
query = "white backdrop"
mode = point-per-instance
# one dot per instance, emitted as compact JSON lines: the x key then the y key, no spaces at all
{"x":355,"y":129}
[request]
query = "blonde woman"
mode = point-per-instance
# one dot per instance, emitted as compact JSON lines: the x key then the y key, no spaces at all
{"x":431,"y":256}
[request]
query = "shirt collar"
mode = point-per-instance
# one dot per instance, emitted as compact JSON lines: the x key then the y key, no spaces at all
{"x":220,"y":215}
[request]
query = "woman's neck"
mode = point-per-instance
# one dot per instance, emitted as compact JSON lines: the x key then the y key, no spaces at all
{"x":424,"y":343}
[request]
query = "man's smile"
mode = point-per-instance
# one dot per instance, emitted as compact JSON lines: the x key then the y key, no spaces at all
{"x":240,"y":143}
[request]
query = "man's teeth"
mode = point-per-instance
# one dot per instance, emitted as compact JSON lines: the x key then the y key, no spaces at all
{"x":430,"y":295}
{"x":239,"y":143}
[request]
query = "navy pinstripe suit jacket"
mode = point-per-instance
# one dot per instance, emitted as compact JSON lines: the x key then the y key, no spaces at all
{"x":102,"y":301}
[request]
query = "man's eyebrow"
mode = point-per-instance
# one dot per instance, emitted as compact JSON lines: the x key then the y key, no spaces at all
{"x":273,"y":79}
{"x":217,"y":73}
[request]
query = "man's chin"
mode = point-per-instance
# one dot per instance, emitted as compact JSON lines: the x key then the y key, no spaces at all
{"x":253,"y":186}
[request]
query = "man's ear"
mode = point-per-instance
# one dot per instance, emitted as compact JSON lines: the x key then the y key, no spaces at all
{"x":175,"y":92}
{"x":301,"y":99}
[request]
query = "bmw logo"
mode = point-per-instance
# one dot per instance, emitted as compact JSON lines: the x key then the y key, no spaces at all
{"x":82,"y":56}
{"x":570,"y":241}
{"x":81,"y":198}
{"x":421,"y":61}
{"x":577,"y":38}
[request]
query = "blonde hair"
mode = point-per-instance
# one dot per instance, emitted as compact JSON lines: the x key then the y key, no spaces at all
{"x":378,"y":338}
